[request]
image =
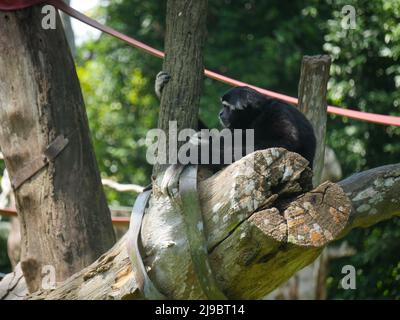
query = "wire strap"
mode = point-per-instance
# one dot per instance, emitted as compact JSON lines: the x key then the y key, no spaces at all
{"x":142,"y":279}
{"x":180,"y":182}
{"x":191,"y":211}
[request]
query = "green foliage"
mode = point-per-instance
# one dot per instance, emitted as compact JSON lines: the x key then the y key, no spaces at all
{"x":260,"y":42}
{"x":5,"y":265}
{"x":120,"y":115}
{"x":365,"y":76}
{"x":377,"y":264}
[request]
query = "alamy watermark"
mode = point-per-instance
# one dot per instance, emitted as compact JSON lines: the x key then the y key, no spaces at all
{"x":48,"y":277}
{"x":50,"y":18}
{"x":208,"y":146}
{"x":348,"y":17}
{"x":348,"y":282}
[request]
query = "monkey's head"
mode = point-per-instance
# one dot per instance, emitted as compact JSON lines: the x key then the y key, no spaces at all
{"x":240,"y":106}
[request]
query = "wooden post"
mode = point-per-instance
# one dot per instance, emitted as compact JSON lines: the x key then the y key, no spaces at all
{"x":314,"y":78}
{"x":65,"y":220}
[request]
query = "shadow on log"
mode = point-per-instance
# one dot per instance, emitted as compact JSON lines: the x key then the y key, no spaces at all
{"x":262,"y":224}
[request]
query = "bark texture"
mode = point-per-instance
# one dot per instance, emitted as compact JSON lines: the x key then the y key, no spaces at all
{"x":65,"y":220}
{"x":374,"y":194}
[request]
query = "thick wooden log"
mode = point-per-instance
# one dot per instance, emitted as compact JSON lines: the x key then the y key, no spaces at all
{"x":261,"y":227}
{"x":65,"y":221}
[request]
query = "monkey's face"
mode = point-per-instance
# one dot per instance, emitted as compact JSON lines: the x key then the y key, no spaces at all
{"x":224,"y":116}
{"x":239,"y":107}
{"x":233,"y":102}
{"x":232,"y":118}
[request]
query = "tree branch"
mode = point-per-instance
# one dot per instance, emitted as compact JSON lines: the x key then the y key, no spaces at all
{"x":121,"y":187}
{"x":374,"y":195}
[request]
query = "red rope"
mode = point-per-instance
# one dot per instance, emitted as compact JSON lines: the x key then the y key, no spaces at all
{"x":359,"y":115}
{"x":8,"y":212}
{"x":11,"y":5}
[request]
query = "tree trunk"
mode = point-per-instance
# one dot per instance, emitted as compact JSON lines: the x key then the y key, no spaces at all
{"x":65,"y":220}
{"x":184,"y":41}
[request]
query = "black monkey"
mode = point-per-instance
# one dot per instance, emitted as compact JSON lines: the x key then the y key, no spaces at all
{"x":275,"y":123}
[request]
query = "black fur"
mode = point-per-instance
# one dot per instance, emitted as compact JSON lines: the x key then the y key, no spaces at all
{"x":275,"y":123}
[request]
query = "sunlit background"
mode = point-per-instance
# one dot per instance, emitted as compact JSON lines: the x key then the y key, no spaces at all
{"x":82,"y":31}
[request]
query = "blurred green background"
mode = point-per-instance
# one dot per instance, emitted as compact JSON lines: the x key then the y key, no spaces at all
{"x":260,"y":42}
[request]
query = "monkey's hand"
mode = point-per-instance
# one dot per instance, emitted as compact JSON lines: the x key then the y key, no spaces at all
{"x":162,"y":79}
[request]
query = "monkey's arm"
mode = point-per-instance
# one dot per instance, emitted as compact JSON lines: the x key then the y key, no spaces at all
{"x":162,"y":79}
